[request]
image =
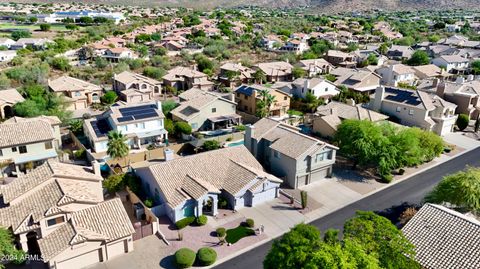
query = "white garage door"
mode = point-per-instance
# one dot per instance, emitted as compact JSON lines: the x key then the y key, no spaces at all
{"x":81,"y":261}
{"x":319,"y":175}
{"x":116,"y":249}
{"x":263,"y":196}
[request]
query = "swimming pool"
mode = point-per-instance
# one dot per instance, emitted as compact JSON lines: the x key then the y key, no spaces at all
{"x":236,"y":143}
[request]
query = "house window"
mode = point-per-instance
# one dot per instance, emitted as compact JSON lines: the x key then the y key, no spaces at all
{"x":14,"y":149}
{"x":326,"y":89}
{"x":285,"y":98}
{"x":410,"y":112}
{"x":78,"y":94}
{"x":399,"y":109}
{"x":214,"y":110}
{"x":23,"y":149}
{"x":48,"y":145}
{"x":194,"y":125}
{"x":55,"y":221}
{"x":276,"y":154}
{"x":326,"y":155}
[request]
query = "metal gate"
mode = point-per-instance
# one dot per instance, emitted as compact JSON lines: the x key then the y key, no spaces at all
{"x":143,"y":231}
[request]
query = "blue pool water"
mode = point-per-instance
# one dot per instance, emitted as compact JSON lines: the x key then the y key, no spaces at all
{"x":236,"y":144}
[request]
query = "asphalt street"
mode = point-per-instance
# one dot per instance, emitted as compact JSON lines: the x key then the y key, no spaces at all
{"x":412,"y":190}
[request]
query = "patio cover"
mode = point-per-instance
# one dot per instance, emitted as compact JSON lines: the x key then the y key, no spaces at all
{"x":224,"y":118}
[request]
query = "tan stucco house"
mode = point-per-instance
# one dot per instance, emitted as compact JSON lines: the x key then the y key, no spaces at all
{"x":136,"y":88}
{"x":248,"y":96}
{"x":79,"y":94}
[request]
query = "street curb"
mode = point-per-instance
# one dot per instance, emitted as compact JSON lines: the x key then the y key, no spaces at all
{"x":233,"y":255}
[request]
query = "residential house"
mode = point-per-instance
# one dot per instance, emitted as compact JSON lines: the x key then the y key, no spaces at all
{"x":363,"y":56}
{"x":6,"y":42}
{"x":204,"y":110}
{"x":59,"y":16}
{"x":234,"y":74}
{"x":318,"y":87}
{"x":464,"y":94}
{"x":359,"y":80}
{"x":26,"y":145}
{"x":141,"y":123}
{"x":249,"y":96}
{"x":57,"y":211}
{"x":296,"y":158}
{"x":193,"y":185}
{"x":7,"y":55}
{"x":429,"y":71}
{"x":271,"y":42}
{"x":444,"y":238}
{"x":78,"y":94}
{"x":183,"y":78}
{"x":276,"y":71}
{"x":295,"y":46}
{"x":416,"y":108}
{"x":328,"y":117}
{"x":34,"y":43}
{"x":343,"y":59}
{"x":397,"y":52}
{"x":452,"y":63}
{"x":315,"y":67}
{"x":394,"y":74}
{"x":117,"y":54}
{"x":8,"y":99}
{"x":136,"y":88}
{"x":54,"y":122}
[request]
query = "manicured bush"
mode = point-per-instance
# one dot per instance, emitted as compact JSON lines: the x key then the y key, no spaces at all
{"x":211,"y":145}
{"x":250,"y":223}
{"x":184,"y":222}
{"x":221,"y":232}
{"x":240,"y":128}
{"x":184,"y":258}
{"x":206,"y":256}
{"x":113,"y":183}
{"x":183,"y":128}
{"x":201,"y":220}
{"x":386,"y":178}
{"x":462,"y":121}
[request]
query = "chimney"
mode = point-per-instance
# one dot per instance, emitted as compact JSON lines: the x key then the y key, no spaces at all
{"x":470,"y":77}
{"x":441,"y":89}
{"x":158,"y":103}
{"x":249,"y":133}
{"x":168,"y":154}
{"x":379,"y":95}
{"x":96,"y":168}
{"x":460,"y":80}
{"x":232,"y":96}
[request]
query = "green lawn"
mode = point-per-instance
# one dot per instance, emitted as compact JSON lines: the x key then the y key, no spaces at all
{"x":31,"y":27}
{"x":234,"y":235}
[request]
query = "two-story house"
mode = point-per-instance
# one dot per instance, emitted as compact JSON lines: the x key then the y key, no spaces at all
{"x":183,"y":78}
{"x":319,"y":87}
{"x":136,"y":88}
{"x":234,"y":74}
{"x":340,"y":58}
{"x":416,"y":108}
{"x":315,"y":66}
{"x":26,"y":144}
{"x":359,"y":80}
{"x":276,"y":71}
{"x":141,"y":123}
{"x":206,"y":111}
{"x":397,"y":52}
{"x":117,"y":54}
{"x":465,"y":94}
{"x":79,"y":94}
{"x":394,"y":74}
{"x":452,"y":63}
{"x":296,"y":158}
{"x":295,"y":46}
{"x":57,"y":212}
{"x":249,"y":96}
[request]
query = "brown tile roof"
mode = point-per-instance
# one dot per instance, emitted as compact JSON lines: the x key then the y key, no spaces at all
{"x":10,"y":96}
{"x":344,"y":111}
{"x":443,"y":238}
{"x":12,"y":134}
{"x":69,"y":84}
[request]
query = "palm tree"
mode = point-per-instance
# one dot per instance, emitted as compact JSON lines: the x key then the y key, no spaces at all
{"x":265,"y":104}
{"x":117,"y":145}
{"x":259,"y":76}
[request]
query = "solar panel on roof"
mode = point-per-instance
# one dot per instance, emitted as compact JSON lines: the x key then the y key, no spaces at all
{"x":146,"y":116}
{"x":124,"y":119}
{"x":137,"y":112}
{"x":100,"y":127}
{"x":129,"y":109}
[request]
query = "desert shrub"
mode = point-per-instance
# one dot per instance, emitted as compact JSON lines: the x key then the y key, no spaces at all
{"x":201,"y":220}
{"x":184,"y":258}
{"x":250,"y":223}
{"x":221,"y":232}
{"x":184,"y":222}
{"x":462,"y":121}
{"x":386,"y":178}
{"x":206,"y":256}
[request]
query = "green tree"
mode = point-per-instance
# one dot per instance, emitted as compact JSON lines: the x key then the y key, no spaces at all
{"x":7,"y":248}
{"x":114,"y":183}
{"x":265,"y":104}
{"x":461,"y":190}
{"x":168,"y":106}
{"x":17,"y":34}
{"x":76,"y":126}
{"x":259,"y":76}
{"x":154,"y":72}
{"x":298,"y":72}
{"x":169,"y":126}
{"x":211,"y":145}
{"x":85,"y":20}
{"x":383,"y":49}
{"x":45,"y":27}
{"x":379,"y":236}
{"x":476,"y":67}
{"x":372,"y":59}
{"x":117,"y":145}
{"x":419,"y":57}
{"x":60,"y":63}
{"x":101,"y":62}
{"x":183,"y":128}
{"x":462,"y":121}
{"x":33,"y":19}
{"x":4,"y":82}
{"x":109,"y":98}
